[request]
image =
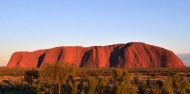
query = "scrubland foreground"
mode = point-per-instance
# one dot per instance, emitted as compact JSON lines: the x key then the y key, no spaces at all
{"x":65,"y":79}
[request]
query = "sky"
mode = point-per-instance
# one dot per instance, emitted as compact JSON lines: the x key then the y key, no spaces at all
{"x":28,"y":25}
{"x":185,"y":58}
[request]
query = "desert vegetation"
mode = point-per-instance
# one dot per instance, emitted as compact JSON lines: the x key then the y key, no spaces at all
{"x":65,"y":79}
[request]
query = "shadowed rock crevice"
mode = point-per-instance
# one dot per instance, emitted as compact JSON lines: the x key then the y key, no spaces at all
{"x":114,"y":59}
{"x":20,"y":58}
{"x":59,"y":57}
{"x":40,"y":60}
{"x":85,"y":58}
{"x":117,"y":58}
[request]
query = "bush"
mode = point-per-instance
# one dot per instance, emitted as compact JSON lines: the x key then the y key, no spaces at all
{"x":92,"y":86}
{"x":185,"y":87}
{"x":167,"y":87}
{"x":30,"y":75}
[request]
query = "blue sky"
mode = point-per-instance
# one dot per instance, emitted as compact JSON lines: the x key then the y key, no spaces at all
{"x":27,"y":25}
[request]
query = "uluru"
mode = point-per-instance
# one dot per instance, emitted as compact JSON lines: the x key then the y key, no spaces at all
{"x":130,"y":55}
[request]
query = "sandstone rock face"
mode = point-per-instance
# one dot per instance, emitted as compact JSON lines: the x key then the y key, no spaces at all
{"x":130,"y":55}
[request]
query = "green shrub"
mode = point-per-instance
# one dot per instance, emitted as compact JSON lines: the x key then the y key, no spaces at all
{"x":30,"y":76}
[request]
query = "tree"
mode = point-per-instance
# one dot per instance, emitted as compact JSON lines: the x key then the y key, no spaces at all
{"x":136,"y":79}
{"x":103,"y":85}
{"x":185,"y":87}
{"x":92,"y":86}
{"x":30,"y":76}
{"x":142,"y":87}
{"x":72,"y":84}
{"x":167,"y":87}
{"x":155,"y":89}
{"x":148,"y":81}
{"x":56,"y":75}
{"x":125,"y":88}
{"x":122,"y":82}
{"x":120,"y":75}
